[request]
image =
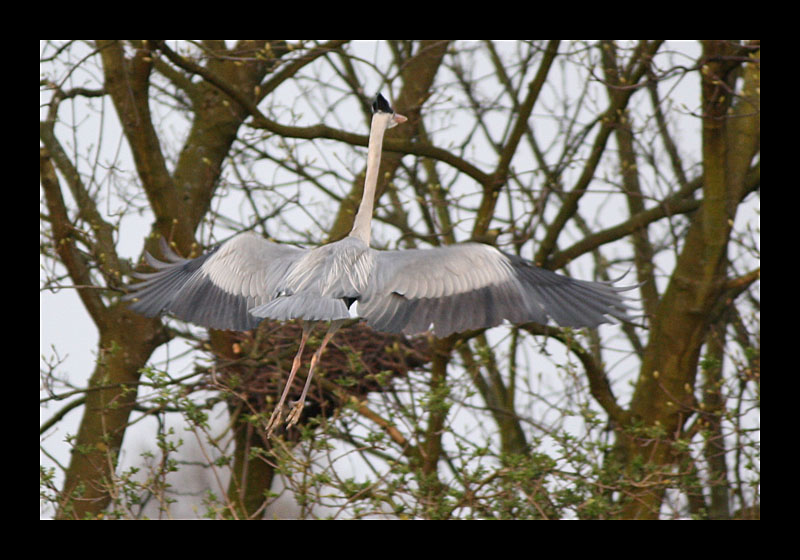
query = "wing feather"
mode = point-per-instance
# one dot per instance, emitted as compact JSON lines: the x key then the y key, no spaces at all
{"x":472,"y":285}
{"x":218,"y":289}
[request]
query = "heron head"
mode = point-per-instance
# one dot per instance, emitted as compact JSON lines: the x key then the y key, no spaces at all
{"x":382,"y":107}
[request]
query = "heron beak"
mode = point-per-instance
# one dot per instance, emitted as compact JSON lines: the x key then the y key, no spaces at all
{"x":399,"y":118}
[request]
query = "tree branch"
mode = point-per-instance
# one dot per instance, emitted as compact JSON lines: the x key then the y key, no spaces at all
{"x":63,"y":240}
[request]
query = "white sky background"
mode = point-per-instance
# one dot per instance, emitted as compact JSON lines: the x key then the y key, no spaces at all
{"x":65,"y":328}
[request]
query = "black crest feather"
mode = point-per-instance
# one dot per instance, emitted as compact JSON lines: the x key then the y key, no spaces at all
{"x":381,"y":105}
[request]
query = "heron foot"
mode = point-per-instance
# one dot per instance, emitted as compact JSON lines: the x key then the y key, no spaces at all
{"x":295,"y":413}
{"x":274,"y":420}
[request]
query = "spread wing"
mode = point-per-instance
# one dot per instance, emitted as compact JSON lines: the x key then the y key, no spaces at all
{"x":215,"y":290}
{"x":471,"y":286}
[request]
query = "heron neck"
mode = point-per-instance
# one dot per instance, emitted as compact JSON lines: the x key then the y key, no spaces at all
{"x":363,"y":223}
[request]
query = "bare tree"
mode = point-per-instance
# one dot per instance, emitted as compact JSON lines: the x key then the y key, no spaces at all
{"x":593,"y":159}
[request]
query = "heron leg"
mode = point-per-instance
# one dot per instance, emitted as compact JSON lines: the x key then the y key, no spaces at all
{"x":274,"y":420}
{"x":297,"y":407}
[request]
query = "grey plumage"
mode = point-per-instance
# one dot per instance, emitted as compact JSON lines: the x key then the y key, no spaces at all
{"x":218,"y":289}
{"x":445,"y":290}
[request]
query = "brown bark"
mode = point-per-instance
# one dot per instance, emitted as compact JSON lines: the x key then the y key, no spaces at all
{"x":178,"y":202}
{"x":664,"y":395}
{"x":224,"y":89}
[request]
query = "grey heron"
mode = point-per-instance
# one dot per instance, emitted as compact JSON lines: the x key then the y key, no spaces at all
{"x":445,"y":290}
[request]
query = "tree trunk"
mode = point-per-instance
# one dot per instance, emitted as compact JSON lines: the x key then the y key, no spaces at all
{"x":664,"y":396}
